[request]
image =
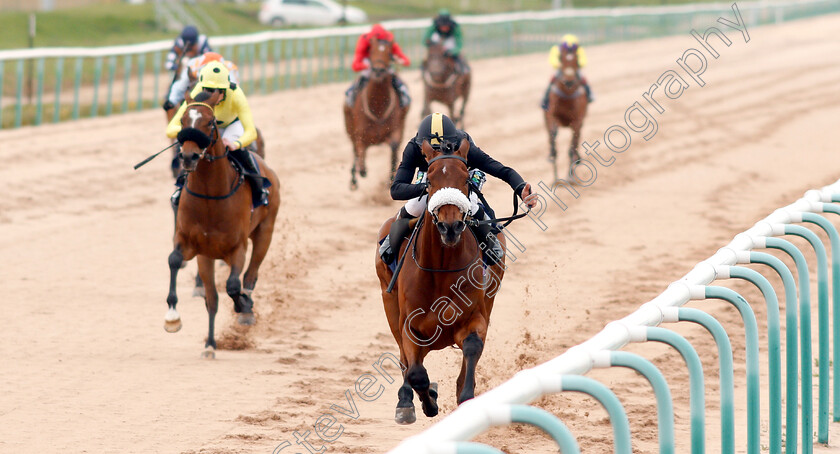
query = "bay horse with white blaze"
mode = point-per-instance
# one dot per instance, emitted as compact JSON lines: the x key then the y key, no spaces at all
{"x":445,"y":84}
{"x":215,"y":219}
{"x":567,"y":105}
{"x":376,"y":116}
{"x":443,"y":295}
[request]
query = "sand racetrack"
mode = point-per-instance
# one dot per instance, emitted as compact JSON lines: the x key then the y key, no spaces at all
{"x":87,"y":366}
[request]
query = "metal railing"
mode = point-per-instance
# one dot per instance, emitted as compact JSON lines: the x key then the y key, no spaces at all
{"x":71,"y":83}
{"x":601,"y":351}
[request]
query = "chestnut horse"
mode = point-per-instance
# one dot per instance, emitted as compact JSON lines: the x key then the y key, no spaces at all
{"x":376,"y":116}
{"x":443,"y":295}
{"x":215,"y":220}
{"x":566,"y":107}
{"x":444,"y":84}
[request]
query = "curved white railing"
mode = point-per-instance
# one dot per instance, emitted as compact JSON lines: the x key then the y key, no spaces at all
{"x":475,"y":416}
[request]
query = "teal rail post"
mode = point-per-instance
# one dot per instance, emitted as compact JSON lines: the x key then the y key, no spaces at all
{"x":726,"y":372}
{"x":660,"y":388}
{"x":77,"y":86}
{"x":822,"y":315}
{"x":697,"y":401}
{"x":805,"y":354}
{"x":97,"y":75}
{"x":466,"y":447}
{"x":127,"y":70}
{"x":618,"y":417}
{"x":310,"y":56}
{"x":751,"y":328}
{"x":835,"y":298}
{"x":298,"y":62}
{"x":19,"y":94}
{"x":2,"y":65}
{"x":59,"y":72}
{"x":538,"y":417}
{"x":156,"y":69}
{"x":287,"y":55}
{"x":263,"y":59}
{"x":141,"y":72}
{"x":791,"y":344}
{"x":112,"y":68}
{"x":774,"y":353}
{"x":39,"y":105}
{"x":276,"y":45}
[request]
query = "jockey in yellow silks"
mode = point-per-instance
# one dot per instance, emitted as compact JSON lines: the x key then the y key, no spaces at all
{"x":571,"y":44}
{"x":233,"y":119}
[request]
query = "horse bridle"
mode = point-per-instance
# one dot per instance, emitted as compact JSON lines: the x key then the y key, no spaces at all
{"x":448,"y":156}
{"x":212,"y":139}
{"x":214,"y":133}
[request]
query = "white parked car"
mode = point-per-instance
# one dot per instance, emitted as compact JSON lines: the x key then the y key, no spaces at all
{"x":309,"y":12}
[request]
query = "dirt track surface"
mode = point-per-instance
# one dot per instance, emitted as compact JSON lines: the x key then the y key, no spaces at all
{"x":87,"y":366}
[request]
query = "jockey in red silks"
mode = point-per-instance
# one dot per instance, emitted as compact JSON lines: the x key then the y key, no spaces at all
{"x":361,"y":64}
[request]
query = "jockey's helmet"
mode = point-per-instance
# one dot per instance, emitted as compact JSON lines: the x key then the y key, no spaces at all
{"x":214,"y":75}
{"x":378,"y":31}
{"x":443,"y":20}
{"x":439,"y":130}
{"x":570,"y":42}
{"x":189,"y":34}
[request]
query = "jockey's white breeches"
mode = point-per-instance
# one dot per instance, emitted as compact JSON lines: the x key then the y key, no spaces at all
{"x":448,"y":42}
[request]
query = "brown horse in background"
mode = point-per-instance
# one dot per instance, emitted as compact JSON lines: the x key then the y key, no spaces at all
{"x":376,"y":116}
{"x":215,"y":220}
{"x":444,"y":84}
{"x":566,"y":107}
{"x":443,"y":295}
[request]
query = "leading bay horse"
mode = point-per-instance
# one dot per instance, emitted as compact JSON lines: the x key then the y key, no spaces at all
{"x":443,"y":294}
{"x":443,"y":83}
{"x":567,"y":105}
{"x":215,"y":219}
{"x":376,"y":116}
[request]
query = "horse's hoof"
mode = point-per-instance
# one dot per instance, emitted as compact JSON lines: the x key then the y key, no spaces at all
{"x":354,"y":186}
{"x":172,"y":321}
{"x":432,"y":410}
{"x":172,"y":327}
{"x":363,"y":173}
{"x":405,"y":416}
{"x":208,"y":353}
{"x":198,"y":292}
{"x":246,"y":319}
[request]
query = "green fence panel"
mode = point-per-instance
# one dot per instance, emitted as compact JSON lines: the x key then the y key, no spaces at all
{"x":19,"y":94}
{"x":77,"y":86}
{"x":112,"y":69}
{"x":97,"y":76}
{"x":59,"y":72}
{"x":39,"y":106}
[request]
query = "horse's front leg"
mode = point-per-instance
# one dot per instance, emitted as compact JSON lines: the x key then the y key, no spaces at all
{"x":242,"y":303}
{"x":574,"y":156}
{"x":417,"y":377}
{"x":211,"y":302}
{"x":172,"y":320}
{"x":471,"y":347}
{"x":361,"y":158}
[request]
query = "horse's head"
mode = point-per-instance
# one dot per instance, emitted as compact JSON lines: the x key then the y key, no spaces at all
{"x":198,"y":129}
{"x":436,"y":62}
{"x":569,"y":65}
{"x":380,"y":57}
{"x":449,"y":202}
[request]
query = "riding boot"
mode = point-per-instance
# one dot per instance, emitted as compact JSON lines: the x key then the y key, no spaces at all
{"x":589,"y":96}
{"x":399,"y":229}
{"x":249,"y":167}
{"x":175,"y":198}
{"x":460,"y":64}
{"x":402,"y":90}
{"x":492,"y":251}
{"x":544,"y":103}
{"x":354,"y":90}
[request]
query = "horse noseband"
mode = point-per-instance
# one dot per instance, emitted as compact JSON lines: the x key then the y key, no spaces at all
{"x":194,"y":135}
